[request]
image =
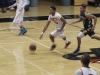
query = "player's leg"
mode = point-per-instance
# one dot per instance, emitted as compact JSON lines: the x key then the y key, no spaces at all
{"x":73,"y":54}
{"x":19,"y":19}
{"x":23,"y":29}
{"x":67,"y":43}
{"x":52,"y":38}
{"x":95,"y":37}
{"x":80,"y":35}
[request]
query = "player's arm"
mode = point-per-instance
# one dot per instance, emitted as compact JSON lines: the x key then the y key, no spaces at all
{"x":88,"y":15}
{"x":64,"y":23}
{"x":79,"y":20}
{"x":13,"y":5}
{"x":45,"y":28}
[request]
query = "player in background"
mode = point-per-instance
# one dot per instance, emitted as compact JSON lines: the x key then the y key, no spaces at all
{"x":19,"y":14}
{"x":85,"y":69}
{"x":60,"y":27}
{"x":88,"y":28}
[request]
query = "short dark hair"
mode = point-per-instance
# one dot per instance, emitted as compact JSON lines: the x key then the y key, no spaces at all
{"x":53,"y":7}
{"x":85,"y":59}
{"x":83,"y":5}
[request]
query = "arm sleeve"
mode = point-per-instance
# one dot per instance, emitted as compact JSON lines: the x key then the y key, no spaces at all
{"x":78,"y":72}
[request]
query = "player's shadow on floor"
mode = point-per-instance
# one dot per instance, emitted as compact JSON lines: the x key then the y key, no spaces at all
{"x":95,"y":54}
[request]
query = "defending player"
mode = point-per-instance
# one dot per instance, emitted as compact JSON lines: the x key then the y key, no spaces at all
{"x":19,"y":14}
{"x":60,"y":27}
{"x":88,"y":27}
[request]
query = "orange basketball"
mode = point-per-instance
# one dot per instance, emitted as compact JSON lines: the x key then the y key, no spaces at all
{"x":32,"y":47}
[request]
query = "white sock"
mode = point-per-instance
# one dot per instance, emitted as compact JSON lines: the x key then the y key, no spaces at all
{"x":66,"y":41}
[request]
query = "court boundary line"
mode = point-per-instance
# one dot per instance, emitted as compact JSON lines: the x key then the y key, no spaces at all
{"x":3,"y":72}
{"x":27,"y":61}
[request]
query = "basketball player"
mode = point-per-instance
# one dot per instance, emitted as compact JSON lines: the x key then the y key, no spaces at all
{"x":60,"y":27}
{"x":19,"y":15}
{"x":85,"y":69}
{"x":88,"y":27}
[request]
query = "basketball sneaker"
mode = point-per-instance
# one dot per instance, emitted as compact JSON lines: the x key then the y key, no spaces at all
{"x":76,"y":51}
{"x":70,"y":56}
{"x":53,"y":47}
{"x":23,"y":31}
{"x":67,"y":44}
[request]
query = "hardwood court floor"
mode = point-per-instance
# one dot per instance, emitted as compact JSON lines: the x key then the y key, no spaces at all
{"x":15,"y":56}
{"x":16,"y":59}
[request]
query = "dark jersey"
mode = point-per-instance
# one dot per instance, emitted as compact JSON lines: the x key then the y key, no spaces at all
{"x":87,"y":23}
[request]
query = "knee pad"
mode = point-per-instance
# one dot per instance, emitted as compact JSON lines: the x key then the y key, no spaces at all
{"x":81,"y":35}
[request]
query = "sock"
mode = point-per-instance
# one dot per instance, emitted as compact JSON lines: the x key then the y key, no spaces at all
{"x":21,"y":27}
{"x":53,"y":43}
{"x":66,"y":41}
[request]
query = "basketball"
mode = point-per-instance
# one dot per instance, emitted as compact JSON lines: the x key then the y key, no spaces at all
{"x":32,"y":47}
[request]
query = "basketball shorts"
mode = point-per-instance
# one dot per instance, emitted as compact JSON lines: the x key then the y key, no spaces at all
{"x":56,"y":33}
{"x":19,"y":16}
{"x":84,"y":32}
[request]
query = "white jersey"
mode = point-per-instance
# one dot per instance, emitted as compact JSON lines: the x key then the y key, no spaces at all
{"x":85,"y":71}
{"x":56,"y":19}
{"x":21,"y":3}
